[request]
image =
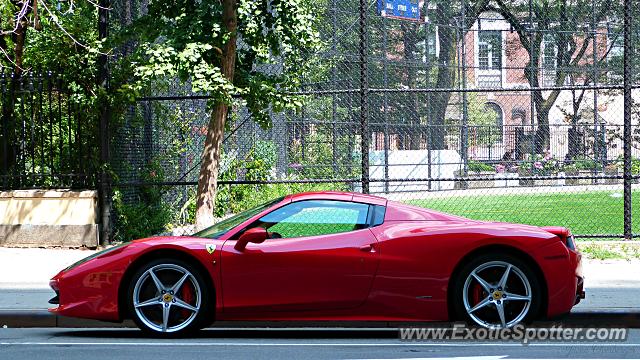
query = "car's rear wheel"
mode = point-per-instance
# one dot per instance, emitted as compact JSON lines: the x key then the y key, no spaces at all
{"x":168,"y":297}
{"x":497,"y":291}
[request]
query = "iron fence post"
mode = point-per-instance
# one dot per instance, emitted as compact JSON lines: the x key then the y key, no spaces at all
{"x":4,"y":133}
{"x":465,"y":112}
{"x":532,"y":104}
{"x":385,"y":105}
{"x":426,"y":85}
{"x":104,"y":190}
{"x":627,"y":120}
{"x":334,"y":97}
{"x":364,"y":93}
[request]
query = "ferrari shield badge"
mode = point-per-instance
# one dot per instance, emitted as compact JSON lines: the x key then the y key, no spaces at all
{"x":210,"y":248}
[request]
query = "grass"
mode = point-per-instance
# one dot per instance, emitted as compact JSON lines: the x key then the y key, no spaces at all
{"x":600,"y":253}
{"x":585,"y":213}
{"x":610,"y":250}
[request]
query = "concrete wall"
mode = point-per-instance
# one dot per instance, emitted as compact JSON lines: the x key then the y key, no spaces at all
{"x":41,"y":218}
{"x":413,"y":164}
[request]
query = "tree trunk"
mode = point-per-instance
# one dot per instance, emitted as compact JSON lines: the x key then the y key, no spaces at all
{"x":445,"y":80}
{"x":9,"y":143}
{"x":208,"y":178}
{"x":543,"y":133}
{"x":542,"y":105}
{"x":19,"y":37}
{"x":414,"y":132}
{"x":445,"y":13}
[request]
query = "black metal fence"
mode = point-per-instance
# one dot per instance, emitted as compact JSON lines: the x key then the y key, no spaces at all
{"x":520,"y":111}
{"x":46,"y":138}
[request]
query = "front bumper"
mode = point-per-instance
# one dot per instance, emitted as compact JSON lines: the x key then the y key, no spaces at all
{"x":87,"y":291}
{"x":56,"y":299}
{"x":580,"y":293}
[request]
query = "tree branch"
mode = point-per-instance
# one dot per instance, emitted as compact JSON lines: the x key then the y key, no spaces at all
{"x":474,"y":11}
{"x":21,"y":16}
{"x":514,"y":22}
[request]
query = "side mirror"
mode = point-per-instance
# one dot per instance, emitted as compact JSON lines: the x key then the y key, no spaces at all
{"x":255,"y":235}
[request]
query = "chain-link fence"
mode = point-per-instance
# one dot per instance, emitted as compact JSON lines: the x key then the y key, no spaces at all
{"x":501,"y":110}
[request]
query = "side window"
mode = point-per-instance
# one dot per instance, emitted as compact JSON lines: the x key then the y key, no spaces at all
{"x":315,"y":217}
{"x":377,"y":213}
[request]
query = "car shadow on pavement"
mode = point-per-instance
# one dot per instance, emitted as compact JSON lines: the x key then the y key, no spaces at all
{"x":343,"y":333}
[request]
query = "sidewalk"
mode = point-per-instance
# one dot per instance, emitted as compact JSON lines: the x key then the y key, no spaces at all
{"x":25,"y":274}
{"x":612,"y":286}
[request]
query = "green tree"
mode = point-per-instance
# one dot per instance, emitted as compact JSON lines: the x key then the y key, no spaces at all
{"x":37,"y":35}
{"x":483,"y":121}
{"x":218,"y":48}
{"x":449,"y":18}
{"x":408,"y":67}
{"x":558,"y":23}
{"x":46,"y":35}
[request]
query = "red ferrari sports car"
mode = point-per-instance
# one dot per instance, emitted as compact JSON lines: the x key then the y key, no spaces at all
{"x":329,"y":256}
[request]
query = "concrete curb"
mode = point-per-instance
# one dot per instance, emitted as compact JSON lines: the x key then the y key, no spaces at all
{"x":38,"y":318}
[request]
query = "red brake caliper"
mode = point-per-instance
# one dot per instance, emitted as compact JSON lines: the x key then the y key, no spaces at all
{"x":186,"y":296}
{"x":476,"y":294}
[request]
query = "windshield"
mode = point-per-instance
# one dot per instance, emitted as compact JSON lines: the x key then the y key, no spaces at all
{"x":221,"y":228}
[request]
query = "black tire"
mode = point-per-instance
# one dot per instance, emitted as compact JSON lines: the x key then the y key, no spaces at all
{"x":165,"y":268}
{"x":460,"y":280}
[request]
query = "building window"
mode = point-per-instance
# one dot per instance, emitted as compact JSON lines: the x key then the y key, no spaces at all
{"x":432,"y":40}
{"x":490,"y":49}
{"x":430,"y":46}
{"x":489,"y":58}
{"x":519,"y":116}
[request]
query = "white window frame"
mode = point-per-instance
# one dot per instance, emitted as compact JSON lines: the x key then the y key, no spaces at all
{"x":490,"y":21}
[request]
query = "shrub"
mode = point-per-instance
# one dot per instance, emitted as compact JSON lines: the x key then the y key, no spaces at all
{"x":477,"y":166}
{"x":146,"y":215}
{"x":318,"y":160}
{"x":586,"y":164}
{"x":570,"y":169}
{"x":635,"y":164}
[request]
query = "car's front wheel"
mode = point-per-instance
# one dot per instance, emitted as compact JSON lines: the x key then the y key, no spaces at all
{"x":497,"y":291}
{"x":168,"y":297}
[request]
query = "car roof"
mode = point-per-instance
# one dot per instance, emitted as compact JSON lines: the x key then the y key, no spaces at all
{"x":396,"y":211}
{"x":338,"y":195}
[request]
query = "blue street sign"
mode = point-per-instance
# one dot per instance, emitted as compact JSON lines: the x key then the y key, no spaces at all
{"x":401,"y":9}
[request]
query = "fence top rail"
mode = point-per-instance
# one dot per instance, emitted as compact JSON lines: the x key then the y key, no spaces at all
{"x":407,"y":90}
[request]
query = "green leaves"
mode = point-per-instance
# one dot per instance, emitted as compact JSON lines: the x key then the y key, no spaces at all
{"x":184,"y":39}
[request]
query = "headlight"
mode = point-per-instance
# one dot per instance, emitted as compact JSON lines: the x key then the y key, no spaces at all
{"x":96,"y":255}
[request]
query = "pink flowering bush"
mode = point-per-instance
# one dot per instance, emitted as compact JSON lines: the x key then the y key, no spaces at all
{"x":543,"y":164}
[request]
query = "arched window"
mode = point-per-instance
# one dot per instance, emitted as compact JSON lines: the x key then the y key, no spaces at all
{"x":496,"y":133}
{"x":519,"y":116}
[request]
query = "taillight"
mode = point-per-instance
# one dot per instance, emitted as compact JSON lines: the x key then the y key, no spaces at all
{"x":570,"y":242}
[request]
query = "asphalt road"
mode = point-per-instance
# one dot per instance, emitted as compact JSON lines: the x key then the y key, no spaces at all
{"x":71,"y":344}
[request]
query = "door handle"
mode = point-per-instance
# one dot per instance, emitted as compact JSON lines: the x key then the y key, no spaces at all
{"x":366,"y":248}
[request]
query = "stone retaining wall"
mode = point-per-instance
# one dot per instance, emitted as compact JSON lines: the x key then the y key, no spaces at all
{"x":46,"y":218}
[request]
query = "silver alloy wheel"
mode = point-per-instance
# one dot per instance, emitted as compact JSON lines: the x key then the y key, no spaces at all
{"x":166,"y":298}
{"x":491,"y":309}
